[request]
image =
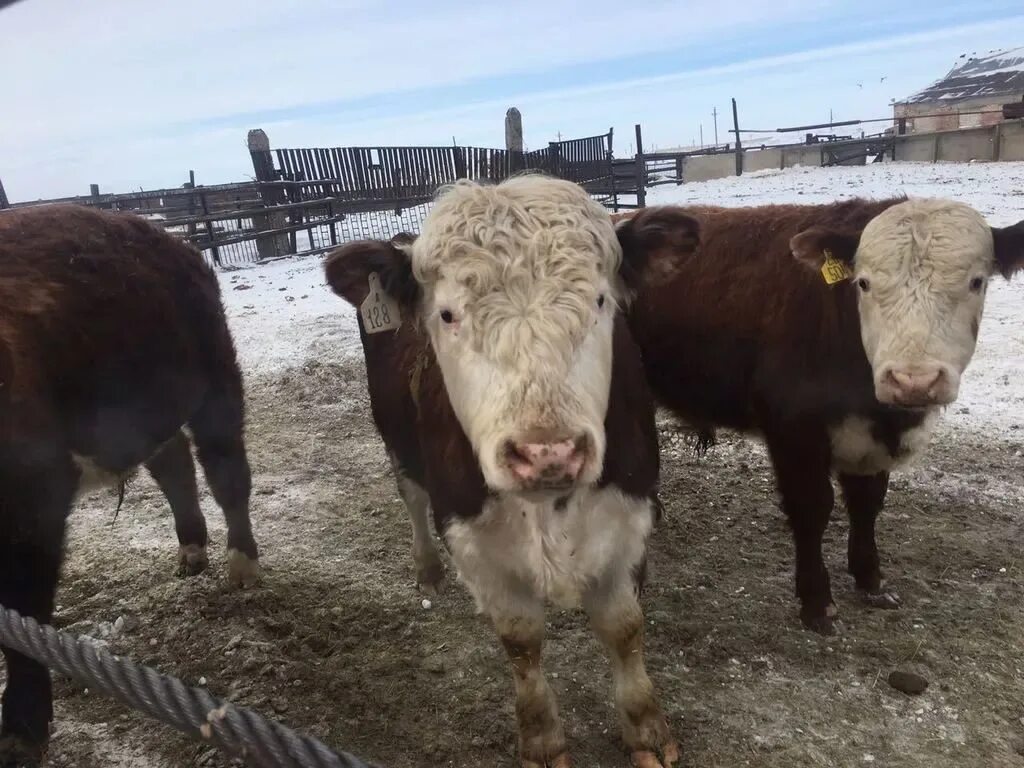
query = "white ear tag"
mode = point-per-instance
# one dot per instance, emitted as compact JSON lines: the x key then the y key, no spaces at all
{"x":380,"y":312}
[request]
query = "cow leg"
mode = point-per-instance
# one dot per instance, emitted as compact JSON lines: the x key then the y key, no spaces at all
{"x":802,"y":459}
{"x":174,"y":472}
{"x":429,"y":570}
{"x":217,"y":429}
{"x":541,"y":738}
{"x":864,"y":496}
{"x":31,"y":544}
{"x":618,"y":621}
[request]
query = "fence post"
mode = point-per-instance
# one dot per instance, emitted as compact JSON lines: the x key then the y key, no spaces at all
{"x":641,"y":170}
{"x":209,"y":229}
{"x":3,"y":197}
{"x":263,"y":167}
{"x":514,"y":139}
{"x":739,"y":145}
{"x":192,"y":201}
{"x":555,"y":158}
{"x":611,"y":170}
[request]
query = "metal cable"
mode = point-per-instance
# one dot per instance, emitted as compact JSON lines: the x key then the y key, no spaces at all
{"x":236,"y":730}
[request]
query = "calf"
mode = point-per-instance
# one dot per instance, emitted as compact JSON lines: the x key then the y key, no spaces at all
{"x":512,"y":402}
{"x":836,"y":332}
{"x":112,"y":340}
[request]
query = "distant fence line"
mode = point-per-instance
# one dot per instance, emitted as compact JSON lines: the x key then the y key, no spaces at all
{"x":309,"y":200}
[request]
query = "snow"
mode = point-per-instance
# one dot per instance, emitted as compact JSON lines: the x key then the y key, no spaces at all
{"x":287,"y":314}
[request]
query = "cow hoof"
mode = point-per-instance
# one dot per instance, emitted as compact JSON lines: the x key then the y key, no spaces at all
{"x":430,"y":579}
{"x":647,"y":759}
{"x":882,"y":598}
{"x":192,"y":559}
{"x":243,"y":571}
{"x":559,"y":761}
{"x":18,"y":753}
{"x":823,"y":624}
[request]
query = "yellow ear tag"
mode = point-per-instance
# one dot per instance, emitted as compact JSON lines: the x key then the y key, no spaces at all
{"x":833,"y":270}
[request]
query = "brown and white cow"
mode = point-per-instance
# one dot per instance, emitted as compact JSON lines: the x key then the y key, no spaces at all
{"x":112,"y":341}
{"x":837,"y":332}
{"x":512,"y":401}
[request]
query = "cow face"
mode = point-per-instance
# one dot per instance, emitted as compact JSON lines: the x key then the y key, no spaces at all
{"x":920,"y":269}
{"x":517,"y":286}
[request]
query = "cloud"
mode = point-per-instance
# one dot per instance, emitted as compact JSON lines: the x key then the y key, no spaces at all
{"x":128,"y":99}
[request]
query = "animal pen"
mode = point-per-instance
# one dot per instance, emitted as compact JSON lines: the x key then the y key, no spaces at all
{"x":309,"y":200}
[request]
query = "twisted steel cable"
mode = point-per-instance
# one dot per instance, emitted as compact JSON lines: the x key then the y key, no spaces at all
{"x":236,"y":730}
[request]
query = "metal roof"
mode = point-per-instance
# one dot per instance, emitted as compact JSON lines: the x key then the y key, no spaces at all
{"x":997,"y":74}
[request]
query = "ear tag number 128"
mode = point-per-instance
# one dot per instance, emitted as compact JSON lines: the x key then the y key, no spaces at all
{"x":379,"y":311}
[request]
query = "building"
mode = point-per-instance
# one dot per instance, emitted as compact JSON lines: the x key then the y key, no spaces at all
{"x":977,"y":84}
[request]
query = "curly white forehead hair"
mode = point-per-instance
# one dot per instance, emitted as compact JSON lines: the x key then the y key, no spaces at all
{"x":527,"y":219}
{"x":531,"y":251}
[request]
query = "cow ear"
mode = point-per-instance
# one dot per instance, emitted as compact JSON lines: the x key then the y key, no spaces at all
{"x":1008,"y":243}
{"x":348,"y":271}
{"x":812,"y":246}
{"x":655,"y":242}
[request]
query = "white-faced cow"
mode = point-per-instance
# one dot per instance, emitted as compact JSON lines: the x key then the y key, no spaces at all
{"x":513,"y":403}
{"x":836,"y":332}
{"x":112,"y":340}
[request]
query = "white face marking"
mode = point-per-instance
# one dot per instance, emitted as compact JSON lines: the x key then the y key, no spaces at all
{"x":516,"y":547}
{"x":855,"y":450}
{"x":519,"y":284}
{"x":921,"y":270}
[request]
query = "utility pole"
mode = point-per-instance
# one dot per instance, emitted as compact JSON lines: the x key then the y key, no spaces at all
{"x":739,"y":147}
{"x":702,"y":135}
{"x":714,"y":114}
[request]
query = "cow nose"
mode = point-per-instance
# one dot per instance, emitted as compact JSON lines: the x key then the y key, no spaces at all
{"x":915,"y":387}
{"x":546,"y":463}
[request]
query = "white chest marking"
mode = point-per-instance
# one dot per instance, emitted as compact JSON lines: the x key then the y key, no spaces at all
{"x":856,"y":451}
{"x":517,"y":546}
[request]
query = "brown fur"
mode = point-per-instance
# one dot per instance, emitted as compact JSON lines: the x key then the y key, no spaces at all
{"x":112,"y":337}
{"x":748,"y":337}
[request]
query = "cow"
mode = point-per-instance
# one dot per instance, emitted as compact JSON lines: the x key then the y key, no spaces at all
{"x":834,"y":332}
{"x":511,"y":400}
{"x":113,"y":343}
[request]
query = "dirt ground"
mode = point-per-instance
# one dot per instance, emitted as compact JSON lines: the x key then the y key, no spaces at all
{"x":336,"y":642}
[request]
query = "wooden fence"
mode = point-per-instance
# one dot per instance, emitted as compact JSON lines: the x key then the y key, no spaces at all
{"x":387,"y":174}
{"x":309,"y":200}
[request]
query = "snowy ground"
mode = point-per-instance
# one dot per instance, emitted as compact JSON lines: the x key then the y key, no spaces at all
{"x":336,"y":642}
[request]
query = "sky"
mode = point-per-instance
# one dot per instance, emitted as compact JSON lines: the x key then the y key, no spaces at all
{"x":134,"y":95}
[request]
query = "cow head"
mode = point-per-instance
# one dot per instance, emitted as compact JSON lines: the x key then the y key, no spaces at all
{"x":517,"y":286}
{"x":920,"y":269}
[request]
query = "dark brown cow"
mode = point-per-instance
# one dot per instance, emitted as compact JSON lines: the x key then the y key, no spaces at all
{"x":112,"y":340}
{"x":845,"y":377}
{"x":511,"y":399}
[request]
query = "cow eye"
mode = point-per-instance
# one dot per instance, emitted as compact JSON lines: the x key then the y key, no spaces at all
{"x":977,"y":284}
{"x":864,"y":285}
{"x":447,"y":316}
{"x":600,"y":301}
